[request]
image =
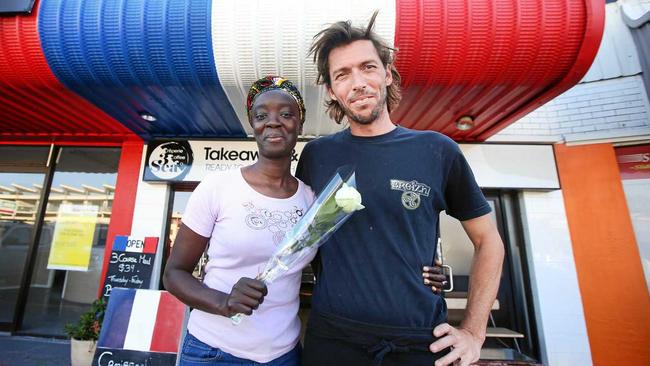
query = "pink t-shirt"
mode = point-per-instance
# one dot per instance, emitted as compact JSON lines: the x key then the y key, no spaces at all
{"x":244,"y":228}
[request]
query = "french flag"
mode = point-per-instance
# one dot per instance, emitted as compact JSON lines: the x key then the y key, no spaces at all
{"x":142,"y":320}
{"x":124,"y":243}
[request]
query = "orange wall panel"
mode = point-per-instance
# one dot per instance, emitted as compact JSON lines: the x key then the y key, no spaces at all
{"x":612,"y":284}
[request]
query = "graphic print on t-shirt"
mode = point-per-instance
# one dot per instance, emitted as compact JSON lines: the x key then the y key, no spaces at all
{"x":277,"y":222}
{"x":412,"y":191}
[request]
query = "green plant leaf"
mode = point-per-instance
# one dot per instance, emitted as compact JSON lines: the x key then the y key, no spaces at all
{"x":89,"y":324}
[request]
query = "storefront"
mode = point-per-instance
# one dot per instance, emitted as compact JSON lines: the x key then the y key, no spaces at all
{"x":82,"y":107}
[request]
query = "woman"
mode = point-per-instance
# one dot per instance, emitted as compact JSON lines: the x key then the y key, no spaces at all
{"x":243,"y":215}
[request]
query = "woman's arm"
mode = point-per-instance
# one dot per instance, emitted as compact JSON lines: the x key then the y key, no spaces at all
{"x":246,"y":295}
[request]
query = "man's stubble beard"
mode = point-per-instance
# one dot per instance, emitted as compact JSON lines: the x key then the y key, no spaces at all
{"x":373,"y":114}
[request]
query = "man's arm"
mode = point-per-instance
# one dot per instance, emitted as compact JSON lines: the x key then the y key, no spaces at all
{"x":483,"y":285}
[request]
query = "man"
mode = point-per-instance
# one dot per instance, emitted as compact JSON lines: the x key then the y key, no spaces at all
{"x":369,"y":305}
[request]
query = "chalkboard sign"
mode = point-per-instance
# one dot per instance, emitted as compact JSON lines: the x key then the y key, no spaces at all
{"x":130,"y":264}
{"x":140,"y":328}
{"x":112,"y":357}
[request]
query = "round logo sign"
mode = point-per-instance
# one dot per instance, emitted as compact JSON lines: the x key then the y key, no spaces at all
{"x":170,"y":160}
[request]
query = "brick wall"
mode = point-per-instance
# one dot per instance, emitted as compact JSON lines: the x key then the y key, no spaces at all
{"x":595,"y":110}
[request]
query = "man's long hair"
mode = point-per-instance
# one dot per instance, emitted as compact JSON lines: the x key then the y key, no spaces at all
{"x":341,"y":34}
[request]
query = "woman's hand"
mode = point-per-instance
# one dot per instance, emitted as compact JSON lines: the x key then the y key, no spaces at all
{"x":246,"y":295}
{"x":434,"y":277}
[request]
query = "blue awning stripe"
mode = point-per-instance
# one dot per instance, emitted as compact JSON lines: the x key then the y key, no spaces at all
{"x":129,"y":57}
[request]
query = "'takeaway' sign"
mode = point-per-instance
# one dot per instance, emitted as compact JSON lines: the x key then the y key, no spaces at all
{"x":191,"y":161}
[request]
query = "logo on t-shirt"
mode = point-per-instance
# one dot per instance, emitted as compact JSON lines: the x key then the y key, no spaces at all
{"x":277,"y":222}
{"x":411,"y":192}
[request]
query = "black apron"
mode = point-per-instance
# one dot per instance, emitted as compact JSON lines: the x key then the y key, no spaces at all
{"x":334,"y":340}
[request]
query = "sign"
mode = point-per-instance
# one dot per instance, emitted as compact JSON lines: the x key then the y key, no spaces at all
{"x":141,"y":327}
{"x":8,"y":207}
{"x":73,"y":237}
{"x":634,"y":162}
{"x":130,"y":264}
{"x":168,"y":160}
{"x":493,"y":165}
{"x":120,"y":357}
{"x":190,"y":161}
{"x":512,"y":166}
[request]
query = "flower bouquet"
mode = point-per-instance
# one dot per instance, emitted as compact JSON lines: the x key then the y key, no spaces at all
{"x":333,"y":206}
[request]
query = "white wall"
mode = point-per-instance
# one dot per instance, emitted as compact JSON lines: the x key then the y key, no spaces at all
{"x":149,"y":216}
{"x":554,"y":283}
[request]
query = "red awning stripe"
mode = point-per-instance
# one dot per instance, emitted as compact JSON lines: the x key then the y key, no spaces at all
{"x":489,"y":59}
{"x":32,"y":100}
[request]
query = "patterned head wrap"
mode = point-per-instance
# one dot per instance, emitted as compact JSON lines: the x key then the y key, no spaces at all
{"x":272,"y":82}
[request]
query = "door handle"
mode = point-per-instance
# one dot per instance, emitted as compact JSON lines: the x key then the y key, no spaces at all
{"x":449,"y":273}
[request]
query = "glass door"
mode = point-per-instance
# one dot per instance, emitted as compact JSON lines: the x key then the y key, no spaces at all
{"x":66,"y":275}
{"x":178,"y":200}
{"x":22,"y":173}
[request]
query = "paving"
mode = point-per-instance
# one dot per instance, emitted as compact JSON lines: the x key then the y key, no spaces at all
{"x":33,"y":351}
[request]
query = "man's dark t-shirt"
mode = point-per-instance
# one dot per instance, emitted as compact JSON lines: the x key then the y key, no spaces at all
{"x":371,"y":268}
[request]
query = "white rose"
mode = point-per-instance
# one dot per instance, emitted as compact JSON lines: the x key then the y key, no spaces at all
{"x":348,"y":198}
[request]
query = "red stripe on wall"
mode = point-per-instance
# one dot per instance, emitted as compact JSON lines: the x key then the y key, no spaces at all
{"x":169,"y":323}
{"x":126,"y":187}
{"x":612,"y":284}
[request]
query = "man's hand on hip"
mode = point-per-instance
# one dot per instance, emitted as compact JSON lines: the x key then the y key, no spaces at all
{"x":465,"y":347}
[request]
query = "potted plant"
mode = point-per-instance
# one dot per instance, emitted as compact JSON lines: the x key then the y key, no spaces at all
{"x":84,"y":334}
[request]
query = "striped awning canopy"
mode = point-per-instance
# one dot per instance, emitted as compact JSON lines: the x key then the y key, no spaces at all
{"x":115,"y":69}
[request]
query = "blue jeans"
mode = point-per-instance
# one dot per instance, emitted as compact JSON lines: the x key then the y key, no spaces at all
{"x":197,"y":353}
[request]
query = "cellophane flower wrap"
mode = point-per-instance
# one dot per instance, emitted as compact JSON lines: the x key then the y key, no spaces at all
{"x":333,"y":206}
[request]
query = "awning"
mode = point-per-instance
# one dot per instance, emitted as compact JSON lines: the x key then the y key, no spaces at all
{"x":100,"y":69}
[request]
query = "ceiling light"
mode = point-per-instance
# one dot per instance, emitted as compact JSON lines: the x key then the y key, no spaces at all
{"x":465,"y":123}
{"x":147,"y":116}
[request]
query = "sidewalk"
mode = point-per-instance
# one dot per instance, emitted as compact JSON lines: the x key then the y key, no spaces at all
{"x":33,"y":351}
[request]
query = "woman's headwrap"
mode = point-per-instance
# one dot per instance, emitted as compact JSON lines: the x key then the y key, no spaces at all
{"x":272,"y":82}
